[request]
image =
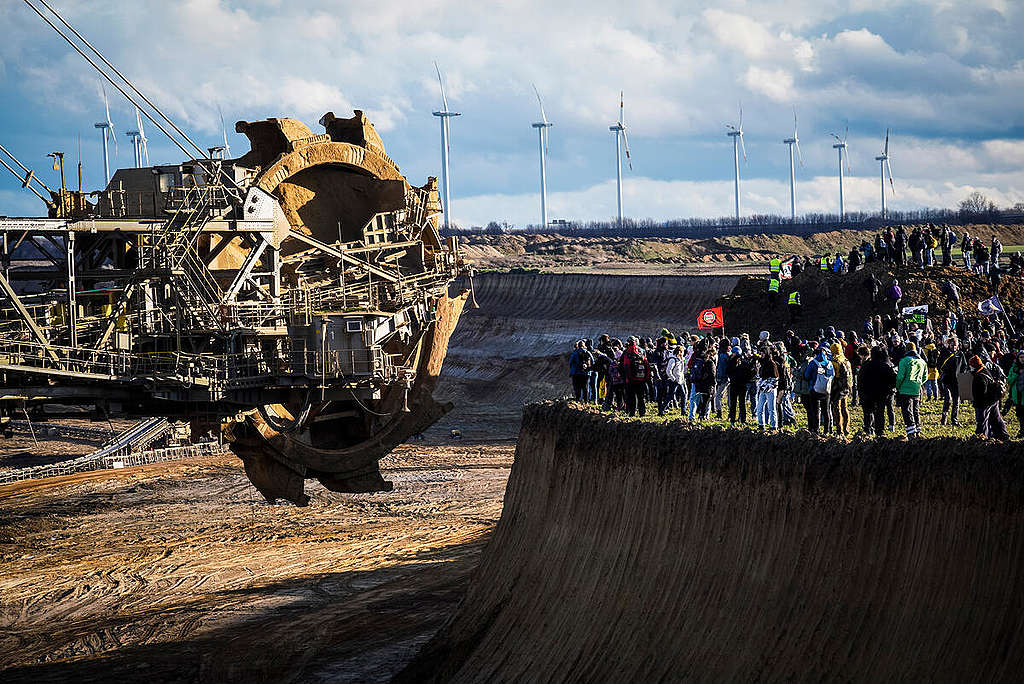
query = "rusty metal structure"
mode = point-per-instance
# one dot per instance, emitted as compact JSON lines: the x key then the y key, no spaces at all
{"x":296,"y":297}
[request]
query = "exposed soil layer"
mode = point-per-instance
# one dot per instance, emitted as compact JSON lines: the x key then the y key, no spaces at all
{"x":177,"y":572}
{"x":559,"y":252}
{"x":514,"y":349}
{"x":844,"y":301}
{"x":640,"y":552}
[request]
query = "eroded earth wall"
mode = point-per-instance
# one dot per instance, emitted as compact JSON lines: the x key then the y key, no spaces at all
{"x":641,"y":552}
{"x":515,"y":348}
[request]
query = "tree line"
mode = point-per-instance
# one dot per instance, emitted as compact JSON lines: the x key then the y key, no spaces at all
{"x":976,"y":208}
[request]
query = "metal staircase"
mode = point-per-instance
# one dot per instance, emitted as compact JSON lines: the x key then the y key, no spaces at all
{"x":175,"y":251}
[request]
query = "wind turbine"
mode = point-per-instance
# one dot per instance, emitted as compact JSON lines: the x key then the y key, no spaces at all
{"x":221,"y":151}
{"x":620,"y":132}
{"x":795,"y":140}
{"x":107,"y":129}
{"x":445,"y":115}
{"x":143,"y":140}
{"x":542,"y":127}
{"x":736,"y":133}
{"x":840,"y":144}
{"x":139,"y":141}
{"x":883,"y":163}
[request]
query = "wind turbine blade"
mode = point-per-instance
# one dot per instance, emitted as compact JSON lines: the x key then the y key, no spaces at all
{"x":543,"y":116}
{"x":224,"y":132}
{"x":741,"y":118}
{"x":794,"y":122}
{"x":743,"y":147}
{"x":440,"y":81}
{"x":110,"y":124}
{"x":888,"y":167}
{"x":885,"y":150}
{"x":621,"y":110}
{"x":799,"y":156}
{"x":846,"y":135}
{"x":625,"y":142}
{"x":142,"y":137}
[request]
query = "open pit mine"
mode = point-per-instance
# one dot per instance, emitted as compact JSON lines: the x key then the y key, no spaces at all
{"x":296,"y":297}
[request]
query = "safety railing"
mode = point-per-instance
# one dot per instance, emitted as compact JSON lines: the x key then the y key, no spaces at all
{"x":96,"y":461}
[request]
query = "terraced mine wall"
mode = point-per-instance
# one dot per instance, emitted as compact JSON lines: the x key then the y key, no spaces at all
{"x":642,"y":552}
{"x":515,"y":348}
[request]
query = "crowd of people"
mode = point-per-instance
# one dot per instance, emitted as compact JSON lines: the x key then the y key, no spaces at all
{"x":891,"y":247}
{"x":880,"y":370}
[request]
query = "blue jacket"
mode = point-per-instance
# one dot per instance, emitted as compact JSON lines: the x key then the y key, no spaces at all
{"x":821,"y":364}
{"x":723,"y":362}
{"x":580,"y":362}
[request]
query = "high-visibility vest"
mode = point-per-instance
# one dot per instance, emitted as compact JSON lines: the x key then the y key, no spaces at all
{"x":794,"y":298}
{"x":773,"y":285}
{"x":823,"y":264}
{"x":775,"y":265}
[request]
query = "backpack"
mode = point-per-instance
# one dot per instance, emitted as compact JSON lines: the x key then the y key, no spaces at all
{"x":822,"y":382}
{"x":895,"y":292}
{"x":636,"y":368}
{"x":614,"y":372}
{"x":695,"y":370}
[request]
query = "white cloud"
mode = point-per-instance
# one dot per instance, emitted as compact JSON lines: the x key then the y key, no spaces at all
{"x":940,"y":74}
{"x":645,"y":198}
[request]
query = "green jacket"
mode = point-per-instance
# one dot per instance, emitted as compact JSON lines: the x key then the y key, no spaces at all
{"x":800,"y":385}
{"x":1015,"y":380}
{"x":911,"y":375}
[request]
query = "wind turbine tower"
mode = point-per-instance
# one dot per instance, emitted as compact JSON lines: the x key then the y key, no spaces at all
{"x":138,"y":138}
{"x":884,"y":165}
{"x":840,"y":145}
{"x":736,"y":133}
{"x":794,"y":141}
{"x":107,"y":131}
{"x":542,"y":127}
{"x":445,"y":115}
{"x":619,"y":128}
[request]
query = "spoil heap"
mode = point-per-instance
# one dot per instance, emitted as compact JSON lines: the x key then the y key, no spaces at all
{"x":844,"y":301}
{"x":644,"y":552}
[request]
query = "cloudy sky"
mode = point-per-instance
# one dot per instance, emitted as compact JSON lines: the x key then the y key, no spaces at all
{"x":947,"y":76}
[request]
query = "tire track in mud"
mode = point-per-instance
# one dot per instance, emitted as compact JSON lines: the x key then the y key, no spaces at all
{"x":514,"y":348}
{"x":177,"y":566}
{"x":645,"y":552}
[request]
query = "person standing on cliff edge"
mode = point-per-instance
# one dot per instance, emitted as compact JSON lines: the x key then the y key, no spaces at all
{"x":581,"y":361}
{"x":636,"y":370}
{"x":987,"y":395}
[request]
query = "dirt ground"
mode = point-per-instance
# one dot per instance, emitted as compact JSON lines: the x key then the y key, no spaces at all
{"x":179,"y":572}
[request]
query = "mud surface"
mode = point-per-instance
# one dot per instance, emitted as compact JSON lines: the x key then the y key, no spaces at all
{"x":630,"y":552}
{"x":176,"y":572}
{"x":515,"y":348}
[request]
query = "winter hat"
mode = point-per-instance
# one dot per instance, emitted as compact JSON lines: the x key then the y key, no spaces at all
{"x":764,"y":335}
{"x":910,"y":347}
{"x":736,"y":350}
{"x":735,"y":341}
{"x":975,"y":362}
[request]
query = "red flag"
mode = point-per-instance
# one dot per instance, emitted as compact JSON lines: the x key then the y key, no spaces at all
{"x":711,"y":318}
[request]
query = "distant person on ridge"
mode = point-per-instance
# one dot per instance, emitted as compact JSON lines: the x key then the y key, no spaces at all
{"x":895,"y":295}
{"x":795,"y":306}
